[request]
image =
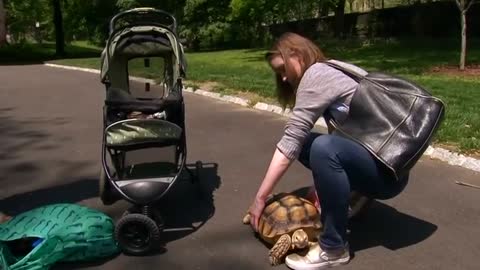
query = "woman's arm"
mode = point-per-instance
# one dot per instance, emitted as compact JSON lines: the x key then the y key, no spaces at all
{"x":278,"y":167}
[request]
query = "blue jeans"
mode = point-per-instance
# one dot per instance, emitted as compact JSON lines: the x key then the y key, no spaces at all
{"x":339,"y":166}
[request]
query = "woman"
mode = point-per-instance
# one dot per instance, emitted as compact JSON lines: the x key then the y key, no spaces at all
{"x":313,"y":88}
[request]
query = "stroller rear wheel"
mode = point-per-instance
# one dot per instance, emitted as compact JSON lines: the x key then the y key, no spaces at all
{"x":201,"y":190}
{"x":136,"y":234}
{"x":105,"y":191}
{"x":358,"y":205}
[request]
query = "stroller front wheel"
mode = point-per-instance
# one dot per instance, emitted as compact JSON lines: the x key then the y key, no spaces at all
{"x":136,"y":234}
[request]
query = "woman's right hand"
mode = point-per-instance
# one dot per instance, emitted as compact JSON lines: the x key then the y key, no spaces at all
{"x":255,"y":211}
{"x":277,"y":168}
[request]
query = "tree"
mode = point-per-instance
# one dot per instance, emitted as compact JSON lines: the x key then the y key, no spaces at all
{"x":463,"y":6}
{"x":205,"y":23}
{"x":339,"y":17}
{"x":324,"y":7}
{"x":3,"y":24}
{"x":127,"y":4}
{"x":58,"y":23}
{"x":350,"y":5}
{"x":22,"y":16}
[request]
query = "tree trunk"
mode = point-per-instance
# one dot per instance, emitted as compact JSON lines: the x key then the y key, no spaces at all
{"x":3,"y":24}
{"x":339,"y":18}
{"x":350,"y":3}
{"x":463,"y":6}
{"x":323,"y":8}
{"x":58,"y":22}
{"x":463,"y":53}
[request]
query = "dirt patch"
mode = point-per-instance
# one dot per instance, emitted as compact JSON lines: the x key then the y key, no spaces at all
{"x":470,"y":71}
{"x":254,"y":98}
{"x":210,"y":86}
{"x":207,"y":86}
{"x":222,"y":89}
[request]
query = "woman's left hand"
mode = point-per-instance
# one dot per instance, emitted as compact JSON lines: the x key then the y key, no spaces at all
{"x":255,"y":211}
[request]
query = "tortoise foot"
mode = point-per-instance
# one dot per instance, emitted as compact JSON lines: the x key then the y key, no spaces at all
{"x":280,"y":249}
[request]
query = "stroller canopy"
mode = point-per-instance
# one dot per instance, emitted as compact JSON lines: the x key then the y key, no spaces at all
{"x":141,"y":33}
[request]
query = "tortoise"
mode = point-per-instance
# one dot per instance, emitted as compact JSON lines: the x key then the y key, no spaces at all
{"x":288,"y":222}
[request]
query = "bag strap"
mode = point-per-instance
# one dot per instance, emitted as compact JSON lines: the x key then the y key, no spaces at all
{"x":351,"y":73}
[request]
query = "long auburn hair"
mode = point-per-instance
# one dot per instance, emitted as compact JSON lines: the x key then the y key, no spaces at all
{"x":308,"y":53}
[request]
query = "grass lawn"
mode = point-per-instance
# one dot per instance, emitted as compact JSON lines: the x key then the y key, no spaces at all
{"x":35,"y":53}
{"x":245,"y":71}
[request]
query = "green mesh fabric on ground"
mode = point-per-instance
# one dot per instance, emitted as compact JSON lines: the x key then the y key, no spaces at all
{"x":68,"y":232}
{"x":141,"y":131}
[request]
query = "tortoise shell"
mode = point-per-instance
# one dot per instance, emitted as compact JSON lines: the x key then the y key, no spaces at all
{"x":285,"y":213}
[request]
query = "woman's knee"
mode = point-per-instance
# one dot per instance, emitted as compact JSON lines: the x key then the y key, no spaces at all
{"x":304,"y":157}
{"x":322,"y":149}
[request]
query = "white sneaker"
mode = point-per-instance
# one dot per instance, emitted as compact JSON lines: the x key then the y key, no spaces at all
{"x":317,"y":258}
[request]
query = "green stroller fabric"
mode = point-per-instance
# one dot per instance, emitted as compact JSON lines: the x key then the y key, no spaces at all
{"x":141,"y":131}
{"x":60,"y":232}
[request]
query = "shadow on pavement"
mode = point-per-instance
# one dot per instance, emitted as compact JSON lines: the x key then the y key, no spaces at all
{"x":383,"y":225}
{"x":185,"y":208}
{"x":189,"y":205}
{"x":82,"y":265}
{"x":69,"y":193}
{"x":31,"y":175}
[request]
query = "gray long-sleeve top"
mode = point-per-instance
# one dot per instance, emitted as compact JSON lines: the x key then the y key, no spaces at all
{"x":321,"y":88}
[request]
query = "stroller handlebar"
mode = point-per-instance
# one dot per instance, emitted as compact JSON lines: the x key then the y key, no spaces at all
{"x":144,"y":14}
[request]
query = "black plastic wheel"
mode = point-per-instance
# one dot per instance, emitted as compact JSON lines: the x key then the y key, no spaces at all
{"x":105,"y":191}
{"x":155,"y":215}
{"x":136,"y":234}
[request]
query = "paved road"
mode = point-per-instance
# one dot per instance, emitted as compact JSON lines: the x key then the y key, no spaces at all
{"x":50,"y":143}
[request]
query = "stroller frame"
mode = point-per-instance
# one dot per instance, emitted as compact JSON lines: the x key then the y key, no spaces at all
{"x":141,"y":192}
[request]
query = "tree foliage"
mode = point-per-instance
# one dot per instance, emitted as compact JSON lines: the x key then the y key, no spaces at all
{"x":202,"y":23}
{"x":206,"y":23}
{"x":22,"y":18}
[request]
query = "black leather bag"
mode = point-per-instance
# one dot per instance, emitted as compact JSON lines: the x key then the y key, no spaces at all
{"x":394,"y":119}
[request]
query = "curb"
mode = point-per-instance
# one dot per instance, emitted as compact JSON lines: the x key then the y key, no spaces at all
{"x":447,"y":156}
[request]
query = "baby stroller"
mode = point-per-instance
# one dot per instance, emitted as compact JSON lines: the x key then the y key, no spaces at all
{"x":141,"y":115}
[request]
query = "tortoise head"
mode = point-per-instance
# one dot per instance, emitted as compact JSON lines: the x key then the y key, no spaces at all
{"x":246,"y":219}
{"x":299,"y":239}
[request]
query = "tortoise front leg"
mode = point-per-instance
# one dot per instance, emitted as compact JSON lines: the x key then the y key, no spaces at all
{"x":280,"y":249}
